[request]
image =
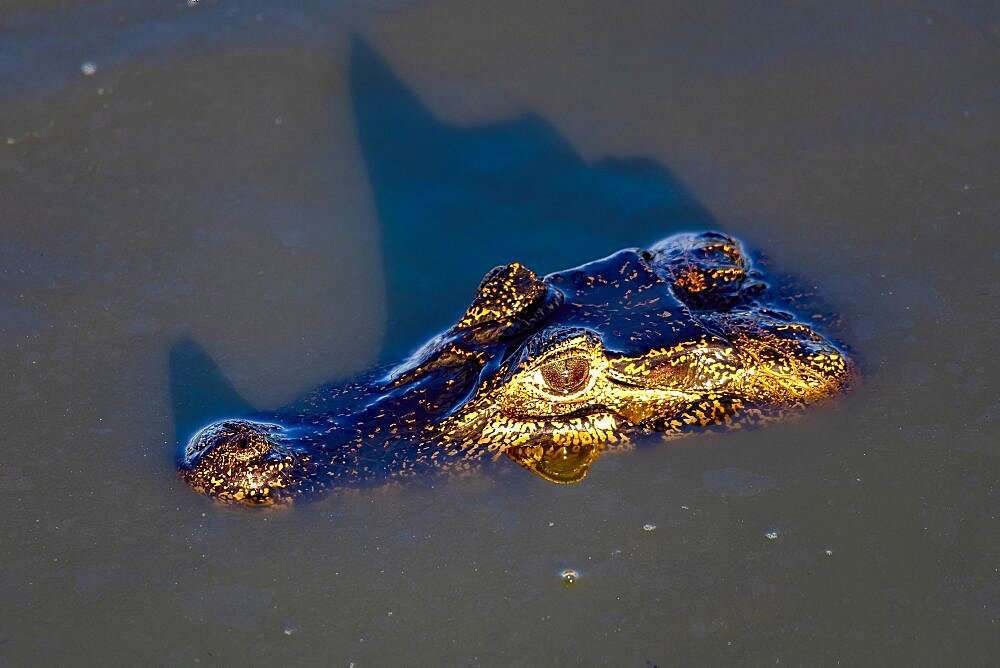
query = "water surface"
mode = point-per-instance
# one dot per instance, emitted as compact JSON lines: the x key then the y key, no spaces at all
{"x":300,"y":193}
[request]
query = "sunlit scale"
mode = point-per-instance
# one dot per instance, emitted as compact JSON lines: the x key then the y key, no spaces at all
{"x":548,"y":372}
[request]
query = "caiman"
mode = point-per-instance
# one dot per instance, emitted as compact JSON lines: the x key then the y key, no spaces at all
{"x":549,"y":372}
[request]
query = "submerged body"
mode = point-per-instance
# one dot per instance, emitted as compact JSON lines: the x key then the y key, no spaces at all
{"x":550,"y":372}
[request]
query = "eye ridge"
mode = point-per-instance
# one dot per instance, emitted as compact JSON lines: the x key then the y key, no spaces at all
{"x":566,"y":375}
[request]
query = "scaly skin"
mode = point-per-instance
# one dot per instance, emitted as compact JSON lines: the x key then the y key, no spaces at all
{"x":550,"y":372}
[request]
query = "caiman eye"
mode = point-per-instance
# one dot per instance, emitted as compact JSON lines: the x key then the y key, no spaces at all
{"x":566,"y":376}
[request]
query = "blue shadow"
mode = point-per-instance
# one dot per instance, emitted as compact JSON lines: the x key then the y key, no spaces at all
{"x":199,"y":391}
{"x":456,"y":201}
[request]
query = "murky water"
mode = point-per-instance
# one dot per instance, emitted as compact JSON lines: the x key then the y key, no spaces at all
{"x":301,"y":192}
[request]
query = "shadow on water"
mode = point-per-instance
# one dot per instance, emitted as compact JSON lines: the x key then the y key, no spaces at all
{"x":199,"y":391}
{"x":456,"y":201}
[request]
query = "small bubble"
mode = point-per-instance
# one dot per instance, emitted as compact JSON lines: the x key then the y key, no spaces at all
{"x":569,"y":576}
{"x":772,"y":534}
{"x":88,"y":68}
{"x":828,"y":552}
{"x":649,"y":527}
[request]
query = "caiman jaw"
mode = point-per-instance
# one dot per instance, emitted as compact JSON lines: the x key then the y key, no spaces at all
{"x":661,"y":384}
{"x":640,"y":406}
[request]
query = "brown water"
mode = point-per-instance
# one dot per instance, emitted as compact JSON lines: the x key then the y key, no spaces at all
{"x":209,"y":181}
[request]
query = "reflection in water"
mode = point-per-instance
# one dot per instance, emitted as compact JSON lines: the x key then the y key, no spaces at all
{"x":455,"y":201}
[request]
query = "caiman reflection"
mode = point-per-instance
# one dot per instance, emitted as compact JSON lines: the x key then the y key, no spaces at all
{"x":550,"y":372}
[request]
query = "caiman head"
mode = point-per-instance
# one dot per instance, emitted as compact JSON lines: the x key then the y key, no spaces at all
{"x":549,"y":371}
{"x":552,"y":371}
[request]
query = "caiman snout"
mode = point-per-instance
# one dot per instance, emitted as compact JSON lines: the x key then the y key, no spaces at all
{"x":240,"y":460}
{"x":235,"y":440}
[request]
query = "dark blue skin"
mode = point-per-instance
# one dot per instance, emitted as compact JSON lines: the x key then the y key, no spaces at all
{"x":665,"y":339}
